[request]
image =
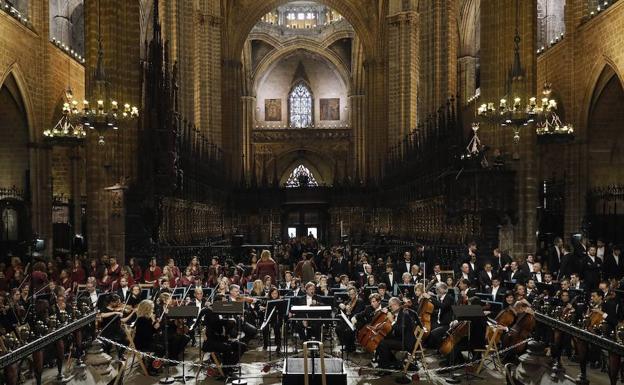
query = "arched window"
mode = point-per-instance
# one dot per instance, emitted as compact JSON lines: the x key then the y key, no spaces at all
{"x":301,"y":176}
{"x":300,"y":105}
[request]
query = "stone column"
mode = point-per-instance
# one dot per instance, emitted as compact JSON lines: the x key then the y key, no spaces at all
{"x":467,"y":77}
{"x":403,"y":72}
{"x":232,"y":113}
{"x":76,"y":177}
{"x":375,"y":136}
{"x":356,"y":117}
{"x":248,"y":105}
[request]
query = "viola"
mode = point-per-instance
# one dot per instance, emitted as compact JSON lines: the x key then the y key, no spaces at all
{"x":371,"y":335}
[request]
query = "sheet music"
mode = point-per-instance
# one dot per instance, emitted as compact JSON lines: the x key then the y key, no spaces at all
{"x":311,"y":308}
{"x":346,"y":319}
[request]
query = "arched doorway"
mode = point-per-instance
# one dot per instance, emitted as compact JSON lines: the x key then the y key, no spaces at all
{"x":605,"y":149}
{"x":15,"y":168}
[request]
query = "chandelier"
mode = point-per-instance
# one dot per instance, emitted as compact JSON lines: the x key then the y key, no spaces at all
{"x":67,"y":131}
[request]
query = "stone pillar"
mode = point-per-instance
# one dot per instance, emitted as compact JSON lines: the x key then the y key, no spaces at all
{"x":232,"y":143}
{"x":76,"y":177}
{"x":248,"y":105}
{"x":467,"y":77}
{"x":375,"y":136}
{"x":499,"y":19}
{"x":41,"y":192}
{"x":116,"y":218}
{"x":115,"y":162}
{"x":403,"y":72}
{"x":356,"y":118}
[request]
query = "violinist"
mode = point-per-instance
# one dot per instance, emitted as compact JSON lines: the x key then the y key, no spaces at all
{"x":135,"y":296}
{"x":465,"y":292}
{"x":216,"y":336}
{"x":510,"y":299}
{"x":249,"y":330}
{"x":146,"y":327}
{"x":176,"y":341}
{"x":276,"y":323}
{"x":442,"y":314}
{"x":163,"y":287}
{"x":354,"y":306}
{"x":401,"y":337}
{"x":563,"y":341}
{"x":112,"y":316}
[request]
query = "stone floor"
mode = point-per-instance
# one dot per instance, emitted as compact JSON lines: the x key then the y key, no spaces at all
{"x":358,"y":368}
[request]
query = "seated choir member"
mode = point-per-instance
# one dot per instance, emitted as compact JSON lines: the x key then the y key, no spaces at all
{"x":352,"y":307}
{"x":216,"y":336}
{"x":400,"y":338}
{"x":442,"y":314}
{"x":146,"y":327}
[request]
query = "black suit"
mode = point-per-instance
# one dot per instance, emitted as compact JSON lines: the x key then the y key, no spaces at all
{"x":568,"y":266}
{"x":555,"y":255}
{"x":517,"y":277}
{"x":339,"y":267}
{"x":345,"y":334}
{"x":216,"y":341}
{"x":120,"y":294}
{"x":441,"y":318}
{"x":401,"y":337}
{"x":484,"y":280}
{"x":539,"y":275}
{"x":499,"y":263}
{"x":591,"y":272}
{"x":402,"y":268}
{"x":500,"y":292}
{"x":612,"y":269}
{"x":385,"y":278}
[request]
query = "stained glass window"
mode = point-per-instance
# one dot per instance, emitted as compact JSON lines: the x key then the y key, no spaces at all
{"x":300,"y":106}
{"x":301,"y":176}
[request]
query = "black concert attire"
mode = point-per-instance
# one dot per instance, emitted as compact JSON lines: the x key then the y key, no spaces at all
{"x":216,"y":340}
{"x":441,"y":317}
{"x":401,"y":337}
{"x":112,"y":329}
{"x":313,"y":330}
{"x":176,"y":341}
{"x":613,"y":266}
{"x":345,"y":335}
{"x":276,"y":324}
{"x":591,"y":271}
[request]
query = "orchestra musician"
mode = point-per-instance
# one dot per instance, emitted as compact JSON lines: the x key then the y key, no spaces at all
{"x":146,"y":327}
{"x":353,"y":306}
{"x":401,"y":337}
{"x":309,"y":330}
{"x":382,"y":289}
{"x":135,"y":296}
{"x":113,"y":314}
{"x":276,"y":323}
{"x":442,"y":315}
{"x":217,"y":340}
{"x":176,"y":341}
{"x":249,"y":330}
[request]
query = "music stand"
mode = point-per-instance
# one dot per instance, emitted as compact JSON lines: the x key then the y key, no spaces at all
{"x":407,"y":290}
{"x":468,"y":313}
{"x":222,"y":308}
{"x":273,"y":309}
{"x":184,"y":313}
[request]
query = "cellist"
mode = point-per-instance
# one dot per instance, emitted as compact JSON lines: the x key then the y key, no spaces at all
{"x":442,"y":315}
{"x":401,"y":337}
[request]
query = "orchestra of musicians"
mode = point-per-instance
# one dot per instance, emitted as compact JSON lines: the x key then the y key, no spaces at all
{"x":375,"y":303}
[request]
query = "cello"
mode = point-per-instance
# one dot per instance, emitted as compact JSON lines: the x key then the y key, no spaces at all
{"x":371,"y":335}
{"x":453,"y":336}
{"x":520,"y":331}
{"x":504,"y":318}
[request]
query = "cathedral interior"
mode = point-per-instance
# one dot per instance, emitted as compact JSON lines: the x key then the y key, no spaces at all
{"x":191,"y":136}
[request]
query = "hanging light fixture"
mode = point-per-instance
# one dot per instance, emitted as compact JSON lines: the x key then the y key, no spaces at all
{"x":514,"y":111}
{"x":103,"y":115}
{"x":67,"y":131}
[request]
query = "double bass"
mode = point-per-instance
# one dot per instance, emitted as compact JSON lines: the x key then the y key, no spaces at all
{"x":371,"y":335}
